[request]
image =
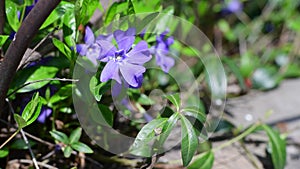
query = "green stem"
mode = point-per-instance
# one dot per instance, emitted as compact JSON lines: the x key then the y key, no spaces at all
{"x":236,"y":139}
{"x":23,"y":13}
{"x":11,"y":137}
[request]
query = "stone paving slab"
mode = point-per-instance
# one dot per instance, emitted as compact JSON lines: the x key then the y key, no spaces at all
{"x":283,"y":104}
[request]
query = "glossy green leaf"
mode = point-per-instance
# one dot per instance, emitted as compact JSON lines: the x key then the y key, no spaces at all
{"x":278,"y":147}
{"x":81,"y":147}
{"x":146,"y":6}
{"x":97,"y":88}
{"x":205,"y":161}
{"x":11,"y":11}
{"x":33,"y":74}
{"x":112,"y":11}
{"x":62,"y":94}
{"x":174,"y":99}
{"x":194,"y":112}
{"x":67,"y":151}
{"x":59,"y":136}
{"x":142,"y":145}
{"x":32,"y":109}
{"x":84,"y":10}
{"x":3,"y":39}
{"x":54,"y":16}
{"x":189,"y":140}
{"x":20,"y":121}
{"x":69,"y":28}
{"x":4,"y":152}
{"x":167,"y":128}
{"x":75,"y":135}
{"x":62,"y":48}
{"x":20,"y":144}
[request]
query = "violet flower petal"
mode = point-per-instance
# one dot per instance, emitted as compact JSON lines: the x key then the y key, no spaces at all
{"x":110,"y":71}
{"x":126,"y":43}
{"x":129,"y":71}
{"x":89,"y":37}
{"x":81,"y":49}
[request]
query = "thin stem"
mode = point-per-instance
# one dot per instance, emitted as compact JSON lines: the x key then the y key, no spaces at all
{"x":228,"y":143}
{"x":23,"y":13}
{"x":24,"y":137}
{"x":11,"y":137}
{"x":235,"y":139}
{"x":30,"y":150}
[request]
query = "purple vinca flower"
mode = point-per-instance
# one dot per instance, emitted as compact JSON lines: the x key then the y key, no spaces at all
{"x":45,"y":112}
{"x":233,"y":6}
{"x":161,"y":51}
{"x":91,"y":48}
{"x":125,"y":61}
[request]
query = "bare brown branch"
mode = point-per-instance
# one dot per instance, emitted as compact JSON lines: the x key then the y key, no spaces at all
{"x":20,"y":43}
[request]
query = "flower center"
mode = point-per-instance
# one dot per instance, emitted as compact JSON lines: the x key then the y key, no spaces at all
{"x":119,"y":56}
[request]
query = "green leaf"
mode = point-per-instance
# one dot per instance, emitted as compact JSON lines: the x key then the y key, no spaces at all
{"x":84,"y":9}
{"x":142,"y":143}
{"x":75,"y":135}
{"x":62,"y":48}
{"x":4,"y":152}
{"x":292,"y":71}
{"x":265,"y":78}
{"x":81,"y":147}
{"x":97,"y":88}
{"x":67,"y":151}
{"x":174,"y":99}
{"x":69,"y":28}
{"x":62,"y":94}
{"x":205,"y":161}
{"x":111,"y":13}
{"x":247,"y":64}
{"x":20,"y":144}
{"x":236,"y":71}
{"x":107,"y":114}
{"x":278,"y":147}
{"x":32,"y":74}
{"x":3,"y":39}
{"x":59,"y":136}
{"x":56,"y":14}
{"x":32,"y":109}
{"x":194,"y":112}
{"x":167,"y":128}
{"x":20,"y":121}
{"x":12,"y":15}
{"x":189,"y":141}
{"x":145,"y":100}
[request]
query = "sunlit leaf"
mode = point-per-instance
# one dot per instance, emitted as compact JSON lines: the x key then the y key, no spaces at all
{"x":204,"y":161}
{"x":20,"y":121}
{"x":11,"y":11}
{"x":75,"y":135}
{"x":278,"y":147}
{"x":174,"y":99}
{"x":81,"y":147}
{"x":142,"y":145}
{"x":33,"y":74}
{"x":59,"y":136}
{"x":67,"y":151}
{"x":189,"y":140}
{"x":3,"y":39}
